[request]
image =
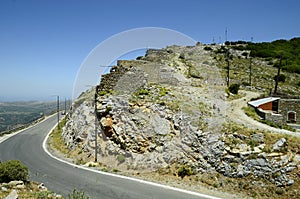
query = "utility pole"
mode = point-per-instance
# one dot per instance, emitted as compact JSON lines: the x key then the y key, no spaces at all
{"x":250,"y":70}
{"x":65,"y":106}
{"x":96,"y":124}
{"x":96,"y":120}
{"x":278,"y":73}
{"x":58,"y":111}
{"x":228,"y":67}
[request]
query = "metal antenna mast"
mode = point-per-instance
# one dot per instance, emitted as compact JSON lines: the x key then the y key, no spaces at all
{"x":226,"y":35}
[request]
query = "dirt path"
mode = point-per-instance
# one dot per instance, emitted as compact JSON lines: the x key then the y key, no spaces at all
{"x":236,"y":114}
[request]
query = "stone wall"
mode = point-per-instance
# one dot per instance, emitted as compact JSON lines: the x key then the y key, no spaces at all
{"x":275,"y":118}
{"x":287,"y":105}
{"x":108,"y":81}
{"x":131,"y":63}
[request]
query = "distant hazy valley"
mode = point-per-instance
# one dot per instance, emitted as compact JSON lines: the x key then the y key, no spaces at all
{"x":16,"y":114}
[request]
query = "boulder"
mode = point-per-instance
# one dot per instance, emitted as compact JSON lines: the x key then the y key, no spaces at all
{"x":279,"y":144}
{"x":4,"y":189}
{"x":160,"y":125}
{"x":16,"y":183}
{"x":13,"y":195}
{"x":106,"y":123}
{"x":42,"y":187}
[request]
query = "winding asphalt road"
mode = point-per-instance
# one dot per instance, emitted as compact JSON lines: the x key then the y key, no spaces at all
{"x":63,"y":178}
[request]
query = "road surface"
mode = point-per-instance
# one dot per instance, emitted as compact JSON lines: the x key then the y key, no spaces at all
{"x":64,"y":178}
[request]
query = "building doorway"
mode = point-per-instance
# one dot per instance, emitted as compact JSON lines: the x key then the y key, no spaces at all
{"x":291,"y":117}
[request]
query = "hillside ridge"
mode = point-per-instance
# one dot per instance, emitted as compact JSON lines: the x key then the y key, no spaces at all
{"x":166,"y":113}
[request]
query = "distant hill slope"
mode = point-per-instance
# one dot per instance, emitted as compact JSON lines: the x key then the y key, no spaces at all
{"x":265,"y":58}
{"x":16,"y":114}
{"x":290,"y":50}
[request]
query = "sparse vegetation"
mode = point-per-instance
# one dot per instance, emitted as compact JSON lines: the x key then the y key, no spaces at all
{"x":250,"y":112}
{"x":103,"y":92}
{"x":77,"y":195}
{"x":143,"y":92}
{"x":56,"y":139}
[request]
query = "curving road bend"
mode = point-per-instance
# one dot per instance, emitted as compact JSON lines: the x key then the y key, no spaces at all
{"x":63,"y":178}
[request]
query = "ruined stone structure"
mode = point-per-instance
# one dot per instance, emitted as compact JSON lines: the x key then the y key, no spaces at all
{"x":290,"y":110}
{"x":277,"y":110}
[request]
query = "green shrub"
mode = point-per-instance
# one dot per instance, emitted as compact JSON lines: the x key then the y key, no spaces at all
{"x":245,"y":54}
{"x":234,"y":88}
{"x":77,"y":195}
{"x":143,"y":92}
{"x":103,"y":92}
{"x":13,"y":170}
{"x":184,"y":170}
{"x":281,"y":78}
{"x":121,"y":158}
{"x":207,"y":48}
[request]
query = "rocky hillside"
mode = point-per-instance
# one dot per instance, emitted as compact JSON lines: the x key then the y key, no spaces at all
{"x":167,"y":110}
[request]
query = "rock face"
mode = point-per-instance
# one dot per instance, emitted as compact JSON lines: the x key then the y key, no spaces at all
{"x":168,"y":108}
{"x":279,"y":144}
{"x":13,"y":195}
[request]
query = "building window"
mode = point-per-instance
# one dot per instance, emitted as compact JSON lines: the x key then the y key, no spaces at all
{"x":291,"y":116}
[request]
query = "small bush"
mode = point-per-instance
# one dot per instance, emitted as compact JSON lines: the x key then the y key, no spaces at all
{"x":234,"y":88}
{"x":77,"y":195}
{"x":281,"y":78}
{"x":13,"y":170}
{"x":121,"y":158}
{"x":184,"y":170}
{"x":207,"y":48}
{"x":103,"y":92}
{"x":245,"y":54}
{"x":143,"y":92}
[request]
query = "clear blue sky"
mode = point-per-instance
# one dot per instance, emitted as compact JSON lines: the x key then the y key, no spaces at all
{"x":44,"y":42}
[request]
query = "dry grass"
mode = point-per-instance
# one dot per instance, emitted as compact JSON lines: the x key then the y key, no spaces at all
{"x":57,"y":143}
